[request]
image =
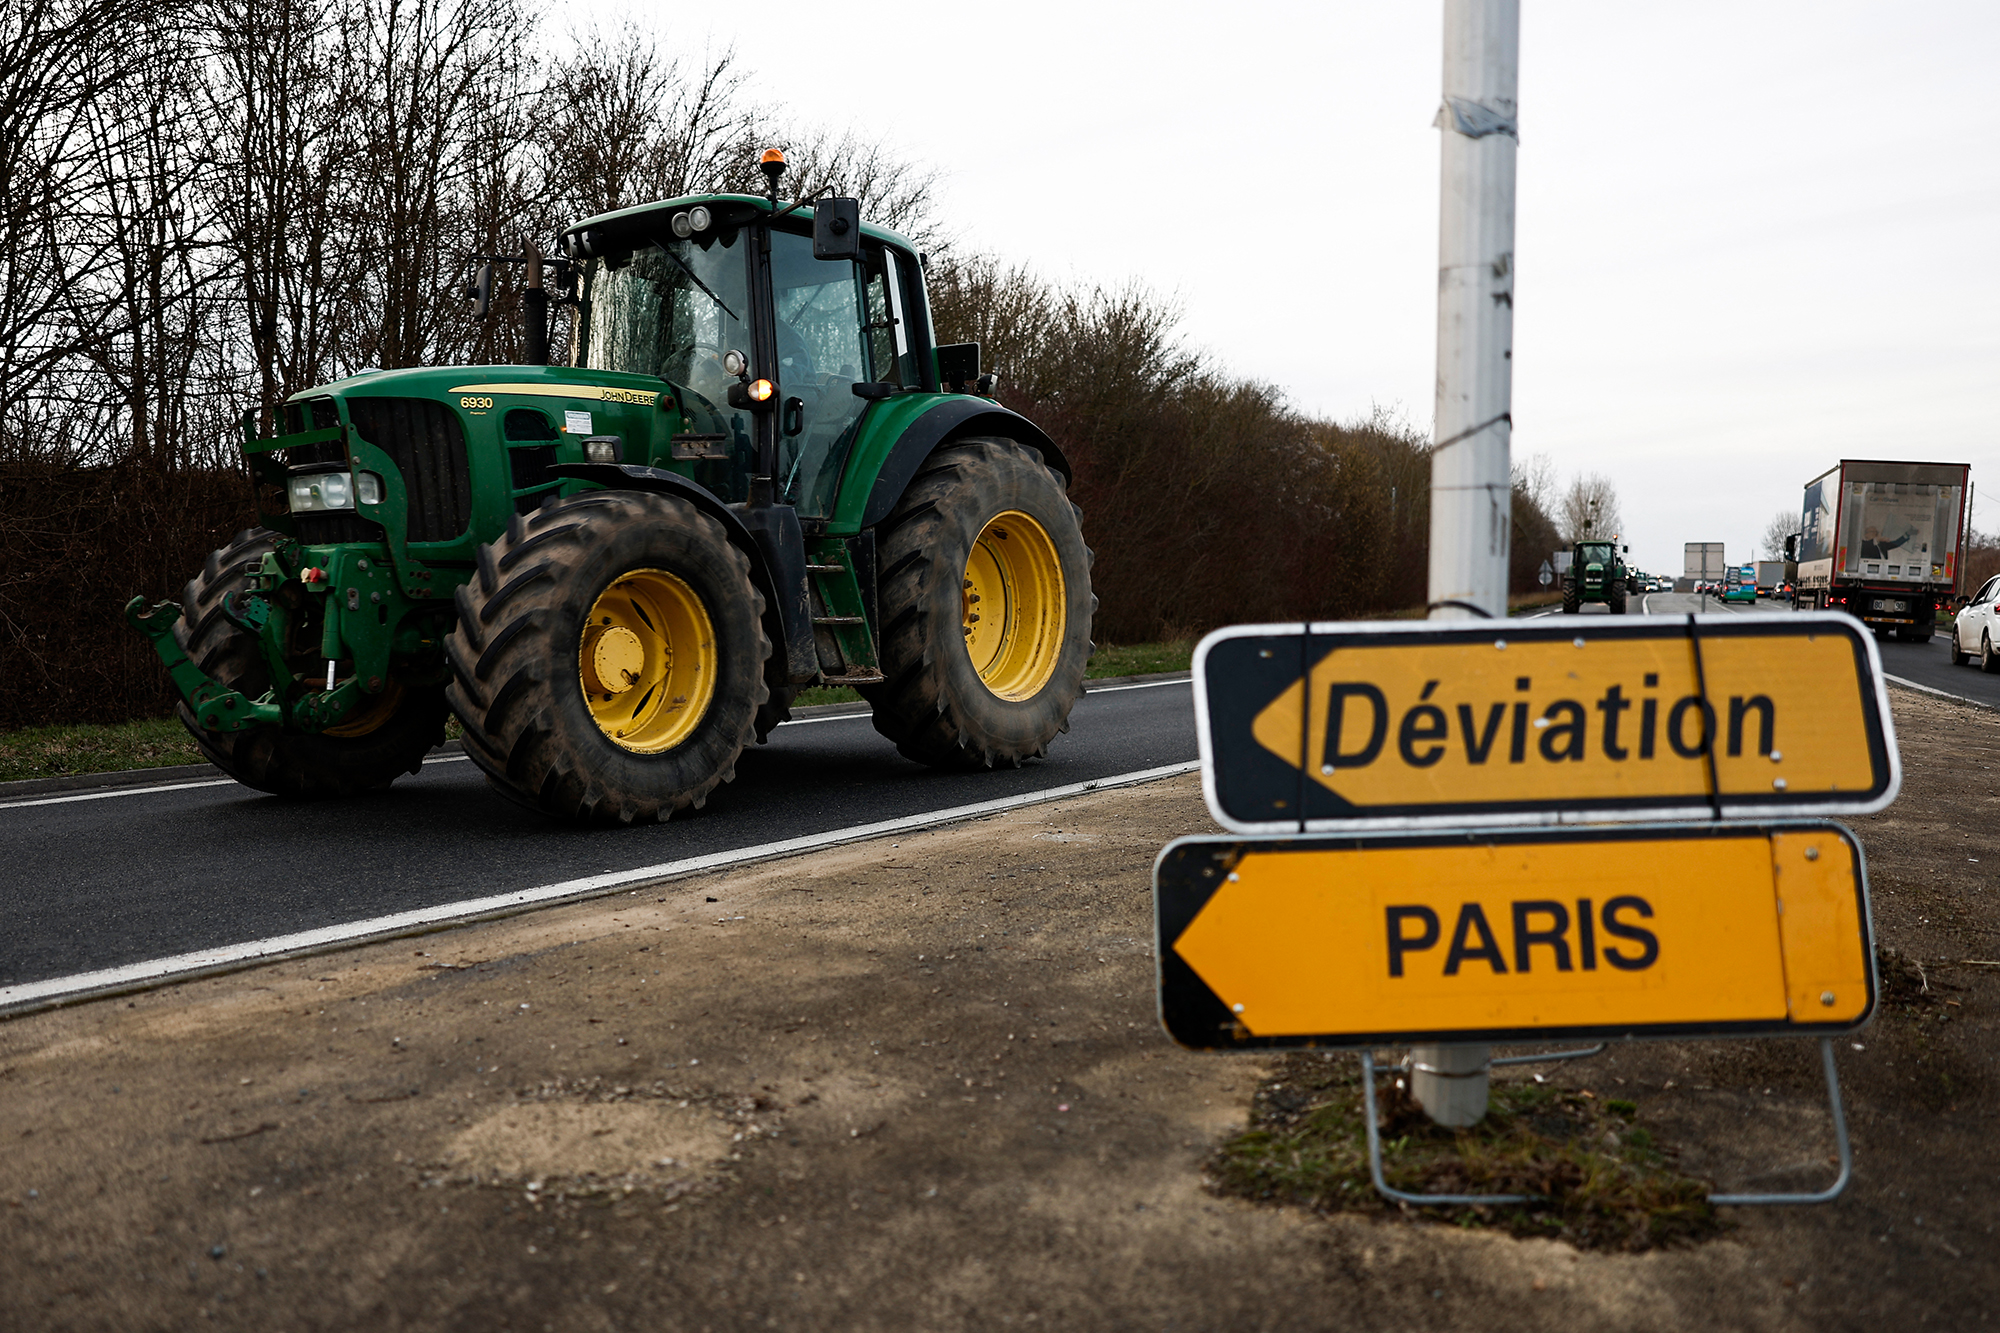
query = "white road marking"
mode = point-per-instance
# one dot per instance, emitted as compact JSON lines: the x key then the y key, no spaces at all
{"x":1108,"y":689}
{"x":837,"y":717}
{"x":122,"y":791}
{"x":154,"y":971}
{"x":169,"y":786}
{"x":1942,"y":694}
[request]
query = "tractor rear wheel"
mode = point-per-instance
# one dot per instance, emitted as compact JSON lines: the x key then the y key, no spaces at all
{"x":371,"y":748}
{"x":986,"y":609}
{"x":1572,"y":601}
{"x":608,"y":662}
{"x":1617,"y":598}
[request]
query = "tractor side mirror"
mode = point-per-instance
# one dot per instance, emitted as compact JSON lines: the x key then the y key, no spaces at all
{"x":1624,"y":550}
{"x":837,"y":229}
{"x":481,"y":290}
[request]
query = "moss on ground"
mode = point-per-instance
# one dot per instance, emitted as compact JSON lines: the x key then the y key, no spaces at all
{"x":1603,"y":1181}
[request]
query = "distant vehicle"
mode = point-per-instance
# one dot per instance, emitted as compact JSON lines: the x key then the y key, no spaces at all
{"x":1974,"y":625}
{"x":1884,"y":542}
{"x":1770,"y":573}
{"x":1596,"y":574}
{"x":1741,"y":588}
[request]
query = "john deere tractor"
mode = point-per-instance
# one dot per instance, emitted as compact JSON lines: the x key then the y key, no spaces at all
{"x":1596,"y":574}
{"x":753,"y":472}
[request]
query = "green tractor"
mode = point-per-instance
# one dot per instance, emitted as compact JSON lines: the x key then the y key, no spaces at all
{"x":753,"y":472}
{"x":1596,"y":574}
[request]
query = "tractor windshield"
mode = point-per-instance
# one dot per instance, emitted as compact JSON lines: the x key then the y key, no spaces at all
{"x":668,"y":309}
{"x":1596,"y":553}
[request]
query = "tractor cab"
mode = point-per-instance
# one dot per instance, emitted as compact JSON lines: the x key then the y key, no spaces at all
{"x":1595,"y":560}
{"x":774,"y":332}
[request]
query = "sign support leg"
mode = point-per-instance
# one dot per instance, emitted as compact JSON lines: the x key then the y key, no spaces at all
{"x":1471,"y":484}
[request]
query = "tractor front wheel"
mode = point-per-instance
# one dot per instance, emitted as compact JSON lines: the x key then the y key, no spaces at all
{"x":1617,"y":598}
{"x":608,"y":662}
{"x":986,"y":609}
{"x":382,"y":740}
{"x":1572,"y":600}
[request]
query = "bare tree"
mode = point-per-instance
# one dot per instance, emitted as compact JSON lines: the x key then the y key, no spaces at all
{"x":1535,"y":477}
{"x":58,"y":59}
{"x":1782,"y":525}
{"x":1589,"y":508}
{"x":438,"y":73}
{"x":280,"y":100}
{"x":626,"y":124}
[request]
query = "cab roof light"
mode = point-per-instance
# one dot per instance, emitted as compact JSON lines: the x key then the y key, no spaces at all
{"x":773,"y":166}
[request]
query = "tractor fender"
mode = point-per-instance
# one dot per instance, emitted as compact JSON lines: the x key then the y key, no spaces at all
{"x":943,"y":423}
{"x":769,"y":536}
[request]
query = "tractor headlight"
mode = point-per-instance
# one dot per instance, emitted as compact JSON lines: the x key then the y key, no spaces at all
{"x":367,"y":488}
{"x":683,"y":226}
{"x":698,"y":217}
{"x":325,"y":490}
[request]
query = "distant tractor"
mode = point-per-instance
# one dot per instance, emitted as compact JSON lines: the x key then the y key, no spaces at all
{"x":1596,"y":574}
{"x":754,"y":471}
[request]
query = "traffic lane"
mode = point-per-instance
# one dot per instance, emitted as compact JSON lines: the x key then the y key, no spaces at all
{"x":104,"y":883}
{"x":1927,"y":664}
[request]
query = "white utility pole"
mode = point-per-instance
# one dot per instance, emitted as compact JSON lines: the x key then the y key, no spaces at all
{"x":1471,"y":509}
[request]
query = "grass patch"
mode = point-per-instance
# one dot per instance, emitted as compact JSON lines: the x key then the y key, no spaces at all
{"x":60,"y":752}
{"x":1139,"y":659}
{"x":1136,"y":659}
{"x":1606,"y":1183}
{"x":1521,"y":603}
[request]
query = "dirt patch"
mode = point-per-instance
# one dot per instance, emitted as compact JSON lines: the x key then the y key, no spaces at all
{"x":546,"y":1139}
{"x":957,"y":1111}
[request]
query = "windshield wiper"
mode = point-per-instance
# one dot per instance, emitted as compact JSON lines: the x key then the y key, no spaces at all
{"x":696,"y":277}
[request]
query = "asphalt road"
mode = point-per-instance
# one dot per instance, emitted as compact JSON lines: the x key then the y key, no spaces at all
{"x":1926,"y":664}
{"x":170,"y":869}
{"x":149,"y":873}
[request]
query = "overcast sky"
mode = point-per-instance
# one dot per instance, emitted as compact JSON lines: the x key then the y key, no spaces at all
{"x":1752,"y":238}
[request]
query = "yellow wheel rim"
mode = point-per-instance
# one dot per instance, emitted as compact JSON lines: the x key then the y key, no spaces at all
{"x":372,"y":715}
{"x":647,"y":661}
{"x":1013,"y":605}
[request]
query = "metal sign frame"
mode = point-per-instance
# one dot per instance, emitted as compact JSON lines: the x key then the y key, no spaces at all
{"x":1189,"y":872}
{"x":1246,"y":682}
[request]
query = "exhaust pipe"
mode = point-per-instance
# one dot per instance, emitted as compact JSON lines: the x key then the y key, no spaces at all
{"x":535,"y":307}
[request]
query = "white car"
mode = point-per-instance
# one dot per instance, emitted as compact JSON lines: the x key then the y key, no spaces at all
{"x":1973,"y":630}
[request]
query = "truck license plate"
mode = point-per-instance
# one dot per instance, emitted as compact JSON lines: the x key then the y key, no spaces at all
{"x":1887,"y":604}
